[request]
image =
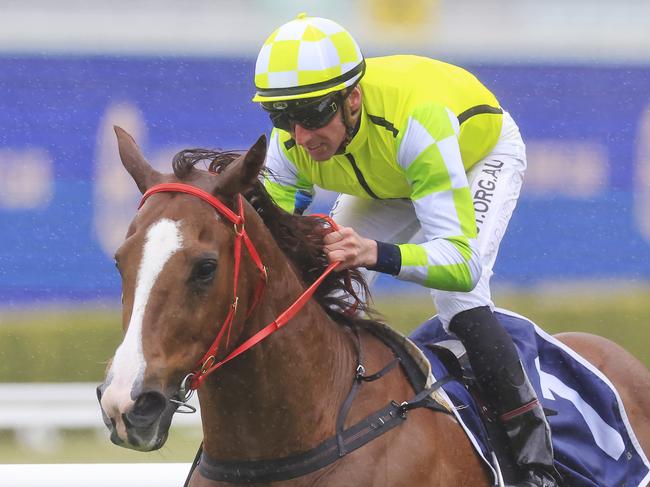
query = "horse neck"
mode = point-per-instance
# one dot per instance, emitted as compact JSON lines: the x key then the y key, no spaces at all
{"x":281,"y":396}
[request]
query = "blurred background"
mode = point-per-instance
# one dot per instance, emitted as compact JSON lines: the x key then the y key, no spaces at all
{"x":575,"y":74}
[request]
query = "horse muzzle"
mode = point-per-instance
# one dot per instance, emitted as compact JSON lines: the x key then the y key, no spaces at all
{"x":141,"y":424}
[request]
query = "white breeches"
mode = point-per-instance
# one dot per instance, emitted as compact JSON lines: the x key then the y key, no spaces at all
{"x":495,"y":183}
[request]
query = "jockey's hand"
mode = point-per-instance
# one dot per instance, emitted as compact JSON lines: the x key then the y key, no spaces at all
{"x":350,"y":248}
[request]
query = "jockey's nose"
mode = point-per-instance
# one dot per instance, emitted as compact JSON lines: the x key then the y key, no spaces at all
{"x":147,"y":409}
{"x":301,"y":134}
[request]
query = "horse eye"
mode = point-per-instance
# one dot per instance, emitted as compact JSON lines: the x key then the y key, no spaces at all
{"x":204,"y":270}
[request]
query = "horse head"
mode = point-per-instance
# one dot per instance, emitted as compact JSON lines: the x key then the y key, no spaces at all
{"x":176,"y":266}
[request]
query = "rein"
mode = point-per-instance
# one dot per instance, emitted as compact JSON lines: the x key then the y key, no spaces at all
{"x":208,"y":363}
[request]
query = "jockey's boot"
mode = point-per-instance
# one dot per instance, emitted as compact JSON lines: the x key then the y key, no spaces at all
{"x":495,"y":362}
{"x":524,"y":422}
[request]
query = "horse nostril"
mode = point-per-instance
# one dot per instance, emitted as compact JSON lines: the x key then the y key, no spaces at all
{"x":147,"y":409}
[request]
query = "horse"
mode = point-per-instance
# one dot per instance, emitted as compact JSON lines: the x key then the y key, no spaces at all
{"x":294,"y":376}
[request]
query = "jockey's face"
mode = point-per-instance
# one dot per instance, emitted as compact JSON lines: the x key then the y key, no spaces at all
{"x":322,"y":143}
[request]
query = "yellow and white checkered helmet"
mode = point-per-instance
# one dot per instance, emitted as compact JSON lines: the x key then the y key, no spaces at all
{"x":307,"y":57}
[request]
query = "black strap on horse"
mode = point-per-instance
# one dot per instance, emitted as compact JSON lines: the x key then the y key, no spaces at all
{"x":342,"y":443}
{"x":359,"y":378}
{"x":329,"y":451}
{"x":195,"y":463}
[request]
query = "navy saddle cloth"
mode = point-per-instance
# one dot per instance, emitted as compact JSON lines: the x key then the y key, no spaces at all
{"x":593,"y":441}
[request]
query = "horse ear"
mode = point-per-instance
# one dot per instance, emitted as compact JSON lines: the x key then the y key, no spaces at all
{"x":242,"y":173}
{"x":134,"y":162}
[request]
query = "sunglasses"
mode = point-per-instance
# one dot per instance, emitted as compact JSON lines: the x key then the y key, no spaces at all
{"x":309,"y":114}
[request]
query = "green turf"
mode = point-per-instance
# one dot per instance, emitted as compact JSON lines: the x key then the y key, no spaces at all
{"x":57,"y":345}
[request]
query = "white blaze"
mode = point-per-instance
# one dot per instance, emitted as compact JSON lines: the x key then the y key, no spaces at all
{"x":162,"y":241}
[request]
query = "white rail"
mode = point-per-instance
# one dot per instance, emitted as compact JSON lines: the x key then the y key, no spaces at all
{"x":37,"y":411}
{"x":95,"y":475}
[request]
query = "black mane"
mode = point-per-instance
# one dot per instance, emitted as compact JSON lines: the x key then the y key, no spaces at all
{"x":299,"y":237}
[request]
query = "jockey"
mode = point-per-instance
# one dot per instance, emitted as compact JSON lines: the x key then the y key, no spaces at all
{"x":429,"y":169}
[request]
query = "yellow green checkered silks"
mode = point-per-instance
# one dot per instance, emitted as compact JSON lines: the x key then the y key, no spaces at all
{"x":406,"y":147}
{"x":429,"y":163}
{"x":435,"y":117}
{"x":306,"y":57}
{"x":466,"y":214}
{"x":313,"y":34}
{"x":451,"y":277}
{"x":428,"y":173}
{"x":413,"y":255}
{"x":436,"y":172}
{"x":428,"y":80}
{"x":461,"y":243}
{"x":346,"y":47}
{"x":447,"y":277}
{"x":311,"y":77}
{"x":284,"y":56}
{"x":281,"y":179}
{"x":283,"y":196}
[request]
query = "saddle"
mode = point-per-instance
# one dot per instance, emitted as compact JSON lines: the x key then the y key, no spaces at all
{"x":433,"y":360}
{"x":593,"y":442}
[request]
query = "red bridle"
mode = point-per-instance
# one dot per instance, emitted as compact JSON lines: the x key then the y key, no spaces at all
{"x":208,"y":363}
